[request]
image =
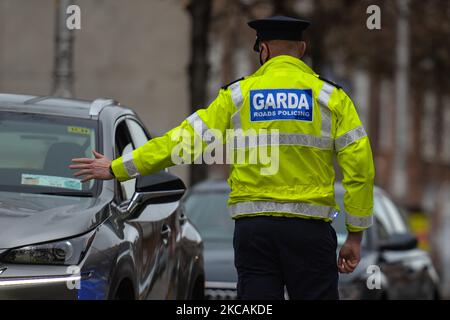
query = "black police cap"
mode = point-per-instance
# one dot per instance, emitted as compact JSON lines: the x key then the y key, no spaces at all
{"x":278,"y":28}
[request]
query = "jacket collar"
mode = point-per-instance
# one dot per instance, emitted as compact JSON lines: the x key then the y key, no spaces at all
{"x":284,"y":61}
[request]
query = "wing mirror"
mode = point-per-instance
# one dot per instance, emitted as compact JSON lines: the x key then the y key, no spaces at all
{"x":158,"y":188}
{"x":399,"y":242}
{"x":161,"y":182}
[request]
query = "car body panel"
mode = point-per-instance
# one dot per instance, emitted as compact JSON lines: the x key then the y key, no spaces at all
{"x":35,"y":218}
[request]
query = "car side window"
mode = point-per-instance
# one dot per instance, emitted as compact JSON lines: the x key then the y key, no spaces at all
{"x":383,"y":221}
{"x":138,"y":133}
{"x":397,"y":219}
{"x":124,"y":145}
{"x":382,"y":233}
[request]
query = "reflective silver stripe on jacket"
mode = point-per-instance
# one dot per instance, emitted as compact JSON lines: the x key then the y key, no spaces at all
{"x":349,"y":137}
{"x":361,"y":222}
{"x":254,"y":207}
{"x":324,"y":99}
{"x":129,"y":165}
{"x":201,"y":128}
{"x":303,"y":140}
{"x":236,"y":120}
{"x":238,"y":99}
{"x":197,"y":123}
{"x":236,"y":94}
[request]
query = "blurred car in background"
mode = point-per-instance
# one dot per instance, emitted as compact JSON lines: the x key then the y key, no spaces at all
{"x":61,"y":239}
{"x":391,"y":266}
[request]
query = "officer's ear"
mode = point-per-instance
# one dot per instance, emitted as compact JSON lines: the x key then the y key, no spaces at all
{"x":264,"y":52}
{"x":302,"y":49}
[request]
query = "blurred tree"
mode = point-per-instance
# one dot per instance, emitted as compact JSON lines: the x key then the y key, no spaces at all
{"x":63,"y":61}
{"x":200,"y":11}
{"x":430,"y":31}
{"x":283,"y":7}
{"x":430,"y":23}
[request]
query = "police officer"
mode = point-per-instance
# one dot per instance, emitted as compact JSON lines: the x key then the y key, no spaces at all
{"x":283,"y":236}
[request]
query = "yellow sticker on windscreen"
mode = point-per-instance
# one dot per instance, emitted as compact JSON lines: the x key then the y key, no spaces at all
{"x":79,"y":130}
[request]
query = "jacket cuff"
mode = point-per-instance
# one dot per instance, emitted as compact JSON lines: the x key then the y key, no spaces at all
{"x":119,"y":170}
{"x":358,"y":223}
{"x":351,"y":228}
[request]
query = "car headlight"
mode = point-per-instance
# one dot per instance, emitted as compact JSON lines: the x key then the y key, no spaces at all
{"x":63,"y":252}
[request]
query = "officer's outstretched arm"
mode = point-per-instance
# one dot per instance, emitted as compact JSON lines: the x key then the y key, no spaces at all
{"x":183,"y":144}
{"x":354,"y":156}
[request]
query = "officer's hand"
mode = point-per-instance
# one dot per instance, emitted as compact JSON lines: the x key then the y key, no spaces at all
{"x":349,"y":255}
{"x":97,"y":168}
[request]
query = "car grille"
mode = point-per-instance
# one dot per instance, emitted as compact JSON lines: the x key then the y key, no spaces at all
{"x":220,"y":291}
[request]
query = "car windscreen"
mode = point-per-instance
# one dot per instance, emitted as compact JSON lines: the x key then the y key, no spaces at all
{"x":209,"y":213}
{"x":37,"y":150}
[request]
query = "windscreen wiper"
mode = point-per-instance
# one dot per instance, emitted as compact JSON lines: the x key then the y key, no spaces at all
{"x":68,"y":193}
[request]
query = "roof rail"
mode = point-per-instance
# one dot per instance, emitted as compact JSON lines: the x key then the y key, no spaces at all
{"x":98,"y":104}
{"x":14,"y":98}
{"x":36,"y":99}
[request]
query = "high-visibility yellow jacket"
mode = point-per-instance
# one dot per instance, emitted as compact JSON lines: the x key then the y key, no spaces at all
{"x":313,"y":120}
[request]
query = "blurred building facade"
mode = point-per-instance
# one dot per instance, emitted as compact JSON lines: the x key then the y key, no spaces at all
{"x":135,"y":52}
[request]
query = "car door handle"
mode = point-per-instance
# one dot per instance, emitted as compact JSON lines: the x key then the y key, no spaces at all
{"x":165,"y":231}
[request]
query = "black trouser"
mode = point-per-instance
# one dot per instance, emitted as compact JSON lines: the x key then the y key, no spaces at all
{"x":273,"y":252}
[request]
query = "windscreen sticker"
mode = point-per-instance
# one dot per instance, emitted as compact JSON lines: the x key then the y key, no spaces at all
{"x":51,"y":181}
{"x":79,"y":130}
